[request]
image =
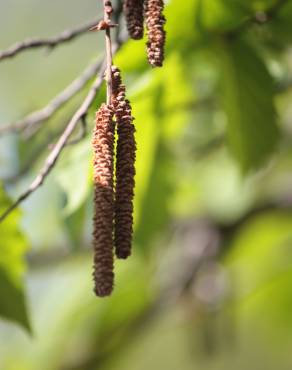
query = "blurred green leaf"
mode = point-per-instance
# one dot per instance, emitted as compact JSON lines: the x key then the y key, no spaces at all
{"x":12,"y":249}
{"x":260,"y":264}
{"x":280,"y":29}
{"x":247,"y":96}
{"x":73,"y":175}
{"x":75,"y":223}
{"x":220,"y":15}
{"x":260,"y":249}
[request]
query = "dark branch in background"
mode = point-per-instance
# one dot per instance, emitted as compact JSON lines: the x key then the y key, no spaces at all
{"x":65,"y":36}
{"x":31,"y":123}
{"x":61,"y":143}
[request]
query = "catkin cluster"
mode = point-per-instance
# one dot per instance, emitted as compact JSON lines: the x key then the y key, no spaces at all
{"x":113,"y":216}
{"x":103,"y":147}
{"x":133,"y":10}
{"x":152,"y":11}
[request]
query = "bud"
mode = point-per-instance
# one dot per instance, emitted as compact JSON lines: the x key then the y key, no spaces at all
{"x":103,"y":147}
{"x":155,"y":22}
{"x":133,"y":10}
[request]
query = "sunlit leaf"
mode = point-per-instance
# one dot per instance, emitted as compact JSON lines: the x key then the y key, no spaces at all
{"x":12,"y":249}
{"x":73,"y":175}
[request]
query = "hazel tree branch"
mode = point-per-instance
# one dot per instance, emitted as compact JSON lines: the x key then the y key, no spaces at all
{"x":51,"y":160}
{"x":31,"y":123}
{"x":58,"y":148}
{"x":44,"y":145}
{"x":52,"y":42}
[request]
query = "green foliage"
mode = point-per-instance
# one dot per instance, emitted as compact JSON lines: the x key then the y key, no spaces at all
{"x":208,"y":124}
{"x":13,"y":245}
{"x":72,"y":174}
{"x":247,"y":95}
{"x":220,"y":15}
{"x":260,"y":257}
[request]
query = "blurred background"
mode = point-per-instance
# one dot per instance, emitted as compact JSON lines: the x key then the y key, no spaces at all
{"x":209,"y":285}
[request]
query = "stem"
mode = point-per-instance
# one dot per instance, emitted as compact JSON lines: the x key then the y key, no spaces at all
{"x":109,"y":57}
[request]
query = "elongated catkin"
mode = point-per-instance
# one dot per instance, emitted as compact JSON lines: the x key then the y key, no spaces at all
{"x":125,"y":168}
{"x":103,"y":147}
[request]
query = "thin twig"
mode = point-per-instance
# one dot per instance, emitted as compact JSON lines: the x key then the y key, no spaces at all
{"x":52,"y":42}
{"x":109,"y":57}
{"x":31,"y":122}
{"x":37,"y":153}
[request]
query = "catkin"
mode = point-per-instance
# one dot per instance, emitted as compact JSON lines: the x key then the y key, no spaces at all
{"x":103,"y":147}
{"x":125,"y":168}
{"x":133,"y":10}
{"x":155,"y":22}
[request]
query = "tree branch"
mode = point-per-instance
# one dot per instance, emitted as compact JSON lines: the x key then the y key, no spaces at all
{"x":62,"y":142}
{"x":52,"y":42}
{"x":31,"y":122}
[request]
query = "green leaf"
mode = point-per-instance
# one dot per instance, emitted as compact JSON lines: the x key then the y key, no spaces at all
{"x":75,"y":225}
{"x":280,"y":29}
{"x":247,"y":96}
{"x":261,"y":267}
{"x":12,"y":249}
{"x":73,"y":175}
{"x":156,"y":141}
{"x":220,"y":15}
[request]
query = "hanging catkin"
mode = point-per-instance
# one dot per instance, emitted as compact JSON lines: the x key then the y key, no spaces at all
{"x":103,"y":146}
{"x":155,"y":22}
{"x":134,"y":14}
{"x":125,"y":168}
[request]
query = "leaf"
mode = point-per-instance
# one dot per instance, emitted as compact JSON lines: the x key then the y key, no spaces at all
{"x":155,"y":211}
{"x":12,"y":249}
{"x":73,"y":175}
{"x":220,"y":15}
{"x":280,"y":30}
{"x":247,"y":96}
{"x":156,"y":141}
{"x":261,"y":266}
{"x":75,"y":225}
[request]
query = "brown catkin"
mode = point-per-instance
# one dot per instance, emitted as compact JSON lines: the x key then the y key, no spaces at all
{"x":103,"y":147}
{"x":134,"y":14}
{"x":155,"y":22}
{"x":125,"y":168}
